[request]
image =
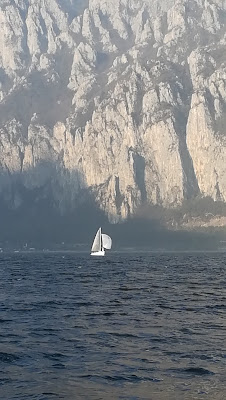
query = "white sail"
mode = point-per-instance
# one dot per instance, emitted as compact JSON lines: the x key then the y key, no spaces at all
{"x":106,"y":240}
{"x":97,"y":242}
{"x":100,"y":243}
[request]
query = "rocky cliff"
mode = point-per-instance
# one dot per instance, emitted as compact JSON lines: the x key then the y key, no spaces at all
{"x":124,"y":100}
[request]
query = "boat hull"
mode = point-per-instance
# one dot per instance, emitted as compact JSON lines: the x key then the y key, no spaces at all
{"x":98,"y":253}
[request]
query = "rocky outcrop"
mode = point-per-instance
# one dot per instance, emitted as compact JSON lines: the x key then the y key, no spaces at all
{"x":122,"y":99}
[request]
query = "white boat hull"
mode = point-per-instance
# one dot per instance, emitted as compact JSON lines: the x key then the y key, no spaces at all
{"x":98,"y":253}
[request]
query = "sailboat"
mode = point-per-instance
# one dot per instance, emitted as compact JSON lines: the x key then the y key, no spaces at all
{"x":100,"y":243}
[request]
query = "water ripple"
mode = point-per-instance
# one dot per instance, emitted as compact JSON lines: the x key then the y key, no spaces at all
{"x":121,"y":327}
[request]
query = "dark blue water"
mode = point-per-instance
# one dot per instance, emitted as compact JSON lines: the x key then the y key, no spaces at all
{"x":126,"y":326}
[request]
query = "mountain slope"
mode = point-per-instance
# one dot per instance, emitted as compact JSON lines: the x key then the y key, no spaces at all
{"x":120,"y":100}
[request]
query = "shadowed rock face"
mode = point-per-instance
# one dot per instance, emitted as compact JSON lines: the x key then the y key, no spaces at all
{"x":122,"y":99}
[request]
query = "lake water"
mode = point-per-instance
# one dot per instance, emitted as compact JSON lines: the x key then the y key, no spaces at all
{"x":125,"y":326}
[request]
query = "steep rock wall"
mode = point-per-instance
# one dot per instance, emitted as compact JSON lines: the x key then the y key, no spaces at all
{"x":125,"y":99}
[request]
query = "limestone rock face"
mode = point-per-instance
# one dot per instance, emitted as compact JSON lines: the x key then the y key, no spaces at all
{"x":125,"y":99}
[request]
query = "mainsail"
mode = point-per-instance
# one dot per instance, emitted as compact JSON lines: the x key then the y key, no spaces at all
{"x":106,"y":240}
{"x":97,"y":242}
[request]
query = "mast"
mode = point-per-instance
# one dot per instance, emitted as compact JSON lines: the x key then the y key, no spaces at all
{"x":100,"y":240}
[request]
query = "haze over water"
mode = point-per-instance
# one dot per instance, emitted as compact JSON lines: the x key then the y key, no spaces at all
{"x":125,"y":326}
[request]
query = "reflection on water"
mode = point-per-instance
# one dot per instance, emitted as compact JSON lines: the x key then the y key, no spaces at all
{"x":149,"y":326}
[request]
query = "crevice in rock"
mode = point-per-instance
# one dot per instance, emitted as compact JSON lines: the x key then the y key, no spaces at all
{"x":139,"y":171}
